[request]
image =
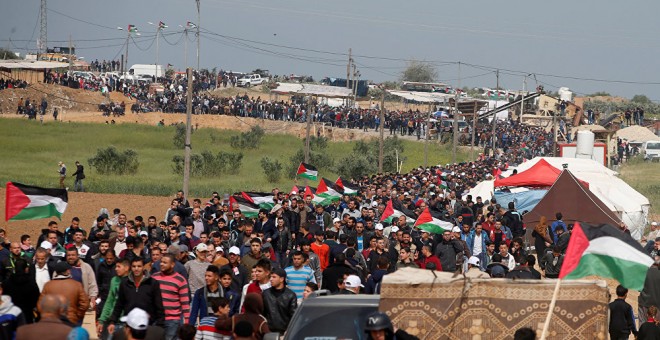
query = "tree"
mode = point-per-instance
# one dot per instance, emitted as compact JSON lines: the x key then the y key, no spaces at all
{"x":640,"y":99}
{"x":7,"y":54}
{"x":419,"y":71}
{"x":599,"y":94}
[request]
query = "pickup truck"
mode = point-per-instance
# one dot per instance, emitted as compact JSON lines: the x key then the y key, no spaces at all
{"x":250,"y":79}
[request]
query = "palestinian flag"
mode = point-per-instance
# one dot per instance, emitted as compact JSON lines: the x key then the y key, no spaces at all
{"x":307,"y":171}
{"x":161,"y":25}
{"x":302,"y":190}
{"x":262,"y":199}
{"x":443,"y":185}
{"x":605,"y":251}
{"x":132,"y":29}
{"x":346,"y":189}
{"x":327,"y":192}
{"x":393,"y":210}
{"x":431,"y":224}
{"x":249,"y":209}
{"x":25,"y":202}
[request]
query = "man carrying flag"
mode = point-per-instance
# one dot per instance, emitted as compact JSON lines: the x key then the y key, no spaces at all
{"x":307,"y":171}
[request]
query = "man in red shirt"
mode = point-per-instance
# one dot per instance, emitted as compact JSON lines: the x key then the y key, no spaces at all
{"x":321,"y":249}
{"x":489,"y":223}
{"x":429,"y":258}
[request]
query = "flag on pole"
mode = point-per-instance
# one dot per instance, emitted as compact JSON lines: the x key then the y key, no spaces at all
{"x":25,"y":202}
{"x":190,"y":25}
{"x":327,"y":192}
{"x":132,"y":29}
{"x":427,"y":222}
{"x":346,"y":189}
{"x":249,"y":209}
{"x":161,"y":25}
{"x":262,"y":199}
{"x":605,"y":251}
{"x":393,"y":210}
{"x":308,"y":171}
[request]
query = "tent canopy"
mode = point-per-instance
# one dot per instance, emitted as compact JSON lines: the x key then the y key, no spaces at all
{"x":574,"y":201}
{"x":541,"y":174}
{"x":313,"y":90}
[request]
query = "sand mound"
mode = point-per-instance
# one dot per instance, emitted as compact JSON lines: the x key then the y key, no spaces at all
{"x":636,"y":133}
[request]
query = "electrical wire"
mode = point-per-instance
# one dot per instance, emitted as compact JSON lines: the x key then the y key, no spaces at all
{"x":81,"y":20}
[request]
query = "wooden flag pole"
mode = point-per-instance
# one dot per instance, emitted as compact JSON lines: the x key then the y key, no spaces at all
{"x":546,"y":325}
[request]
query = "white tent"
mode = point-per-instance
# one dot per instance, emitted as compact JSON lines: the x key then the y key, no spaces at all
{"x":620,"y":197}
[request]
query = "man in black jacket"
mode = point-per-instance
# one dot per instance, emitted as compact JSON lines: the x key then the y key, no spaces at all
{"x":79,"y":175}
{"x":448,"y":251}
{"x":621,"y":316}
{"x":145,"y":295}
{"x":280,"y":302}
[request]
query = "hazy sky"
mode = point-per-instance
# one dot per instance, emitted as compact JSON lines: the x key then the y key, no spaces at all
{"x":562,"y":42}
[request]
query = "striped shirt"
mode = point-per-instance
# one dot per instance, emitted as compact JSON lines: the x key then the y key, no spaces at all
{"x":206,"y":330}
{"x":176,"y":299}
{"x":296,"y":279}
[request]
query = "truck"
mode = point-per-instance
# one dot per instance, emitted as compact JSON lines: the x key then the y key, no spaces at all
{"x":147,"y":70}
{"x":251,"y":79}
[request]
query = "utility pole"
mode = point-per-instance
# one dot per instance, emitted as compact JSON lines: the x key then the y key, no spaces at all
{"x":356,"y":78}
{"x":199,"y":23}
{"x":185,"y":45}
{"x":186,"y":159}
{"x":70,"y":54}
{"x":474,"y":128}
{"x":522,"y":102}
{"x":43,"y":33}
{"x":497,"y":90}
{"x":128,"y":37}
{"x":309,"y":126}
{"x":456,"y":114}
{"x":348,"y":68}
{"x":554,"y":134}
{"x":157,"y":33}
{"x":381,"y":140}
{"x":426,"y":141}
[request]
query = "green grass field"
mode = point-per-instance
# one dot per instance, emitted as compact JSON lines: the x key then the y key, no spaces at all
{"x":30,"y":153}
{"x":645,"y":178}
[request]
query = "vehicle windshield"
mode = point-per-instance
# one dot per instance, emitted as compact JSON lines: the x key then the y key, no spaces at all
{"x":653,"y":146}
{"x":309,"y":327}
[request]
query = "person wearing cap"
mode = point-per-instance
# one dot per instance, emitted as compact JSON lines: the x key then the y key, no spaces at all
{"x":280,"y":302}
{"x":70,"y":289}
{"x":352,"y":285}
{"x":474,"y":269}
{"x":196,"y":268}
{"x":240,"y":274}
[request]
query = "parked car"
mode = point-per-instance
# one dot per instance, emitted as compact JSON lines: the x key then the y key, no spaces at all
{"x":251,"y":79}
{"x":651,"y":150}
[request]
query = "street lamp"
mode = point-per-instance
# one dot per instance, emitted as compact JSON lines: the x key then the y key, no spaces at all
{"x":130,"y":29}
{"x":188,"y":26}
{"x":161,"y":25}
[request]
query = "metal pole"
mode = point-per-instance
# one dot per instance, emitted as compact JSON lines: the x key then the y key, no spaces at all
{"x":426,"y":142}
{"x":474,"y":129}
{"x":186,"y":161}
{"x":497,"y":74}
{"x":157,"y":32}
{"x":522,"y":102}
{"x":309,"y":126}
{"x":185,"y":47}
{"x":199,"y":24}
{"x":348,"y":69}
{"x":554,"y":133}
{"x":382,"y":131}
{"x":125,"y":70}
{"x":455,"y":129}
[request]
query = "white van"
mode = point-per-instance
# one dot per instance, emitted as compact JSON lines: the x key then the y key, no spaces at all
{"x":651,"y":150}
{"x":146,"y":69}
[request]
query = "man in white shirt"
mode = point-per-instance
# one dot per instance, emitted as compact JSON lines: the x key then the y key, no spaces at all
{"x":42,"y":274}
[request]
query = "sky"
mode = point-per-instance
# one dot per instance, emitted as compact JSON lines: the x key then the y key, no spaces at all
{"x":587,"y":46}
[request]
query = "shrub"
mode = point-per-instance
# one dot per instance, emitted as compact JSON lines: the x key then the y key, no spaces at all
{"x":248,"y":140}
{"x":272,"y":169}
{"x":208,"y":164}
{"x":364,"y":158}
{"x":110,"y":161}
{"x":317,"y":156}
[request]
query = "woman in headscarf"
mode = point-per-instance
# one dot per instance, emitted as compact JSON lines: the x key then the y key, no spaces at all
{"x":542,"y":239}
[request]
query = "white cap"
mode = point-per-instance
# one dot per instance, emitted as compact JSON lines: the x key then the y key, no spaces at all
{"x":406,"y":194}
{"x":335,"y":220}
{"x":143,"y":233}
{"x":276,"y":208}
{"x":395,"y":229}
{"x":136,"y":319}
{"x":654,"y":223}
{"x":46,"y":245}
{"x":234,"y":250}
{"x":353,"y":281}
{"x":473,"y":260}
{"x":219,"y":249}
{"x":456,"y":229}
{"x":374,"y":204}
{"x":202,"y":247}
{"x":379,"y":226}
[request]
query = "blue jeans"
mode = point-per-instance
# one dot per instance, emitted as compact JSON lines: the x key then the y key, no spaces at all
{"x":171,"y":327}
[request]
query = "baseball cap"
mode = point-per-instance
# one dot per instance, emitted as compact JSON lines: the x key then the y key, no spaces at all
{"x":395,"y":229}
{"x":219,"y":249}
{"x":202,"y":247}
{"x":497,"y":271}
{"x":335,"y":220}
{"x":46,"y":245}
{"x":379,"y":226}
{"x":276,"y":208}
{"x":183,"y":248}
{"x":234,"y":250}
{"x":279,"y":272}
{"x":143,"y":233}
{"x":654,"y":223}
{"x":136,"y":319}
{"x":353,"y":281}
{"x":456,"y":229}
{"x":473,"y":260}
{"x":374,"y":204}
